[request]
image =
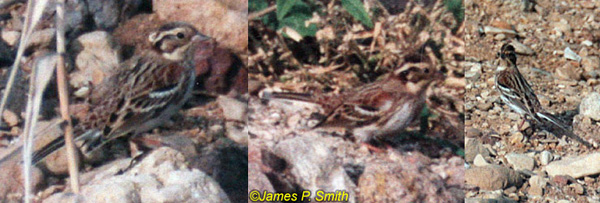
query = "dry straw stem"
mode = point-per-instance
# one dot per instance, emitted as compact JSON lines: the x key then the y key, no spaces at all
{"x":33,"y":14}
{"x":63,"y":97}
{"x":41,"y":75}
{"x":258,"y":14}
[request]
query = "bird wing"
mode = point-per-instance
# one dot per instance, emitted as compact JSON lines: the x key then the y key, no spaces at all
{"x":360,"y":109}
{"x":150,"y":88}
{"x":515,"y":88}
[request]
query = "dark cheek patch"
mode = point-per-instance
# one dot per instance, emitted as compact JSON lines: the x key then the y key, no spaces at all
{"x":166,"y":45}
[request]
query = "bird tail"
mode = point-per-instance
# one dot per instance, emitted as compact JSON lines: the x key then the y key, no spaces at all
{"x":59,"y":142}
{"x":558,"y":128}
{"x":289,"y":95}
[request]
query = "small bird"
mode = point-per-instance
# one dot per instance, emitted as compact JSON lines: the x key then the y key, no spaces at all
{"x":518,"y":95}
{"x":379,"y":108}
{"x":146,"y":91}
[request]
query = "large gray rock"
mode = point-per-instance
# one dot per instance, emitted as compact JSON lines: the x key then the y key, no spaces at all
{"x":520,"y":161}
{"x":576,"y":167}
{"x":590,"y":106}
{"x":96,"y":57}
{"x":395,"y":177}
{"x":492,"y":177}
{"x":162,"y":176}
{"x":313,"y":166}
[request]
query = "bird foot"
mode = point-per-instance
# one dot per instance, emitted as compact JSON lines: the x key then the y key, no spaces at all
{"x":374,"y":148}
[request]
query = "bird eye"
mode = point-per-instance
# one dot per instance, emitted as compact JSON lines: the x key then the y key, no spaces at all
{"x":403,"y":74}
{"x":180,"y":35}
{"x":426,"y":70}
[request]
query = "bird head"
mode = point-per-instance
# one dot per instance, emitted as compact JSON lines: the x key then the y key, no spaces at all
{"x":418,"y":71}
{"x":175,"y":41}
{"x":507,"y":53}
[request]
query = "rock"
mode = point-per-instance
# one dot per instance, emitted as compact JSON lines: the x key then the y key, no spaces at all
{"x":227,"y":163}
{"x":587,"y":43}
{"x":162,"y":176}
{"x":473,"y":147}
{"x":473,"y":133}
{"x":499,"y":37}
{"x":257,"y":179}
{"x":589,"y":4}
{"x":568,"y":71}
{"x":570,"y":54}
{"x":537,"y":185}
{"x":65,"y":197}
{"x":492,"y":177}
{"x":76,"y":12}
{"x":480,"y":161}
{"x":516,"y":138}
{"x":97,"y":57}
{"x":494,"y":30}
{"x":474,"y":72}
{"x":11,"y":37}
{"x":228,"y":26}
{"x":233,"y":109}
{"x":561,"y":26}
{"x":520,"y":48}
{"x":217,"y":69}
{"x":105,"y":13}
{"x":130,"y":8}
{"x":590,"y":106}
{"x":504,"y":130}
{"x":501,"y":24}
{"x":133,"y":34}
{"x":520,"y":161}
{"x":395,"y":177}
{"x":11,"y":181}
{"x":10,"y":118}
{"x":576,"y":167}
{"x":254,"y":86}
{"x":6,"y":54}
{"x":578,"y":188}
{"x":42,"y":38}
{"x":484,"y":106}
{"x":237,"y":133}
{"x":312,"y":165}
{"x":45,"y":132}
{"x":545,"y":157}
{"x":562,"y":180}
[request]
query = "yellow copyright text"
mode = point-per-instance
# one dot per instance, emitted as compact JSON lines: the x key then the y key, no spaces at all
{"x":319,"y":196}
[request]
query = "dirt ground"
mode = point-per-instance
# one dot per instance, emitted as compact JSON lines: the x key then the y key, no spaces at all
{"x":345,"y":54}
{"x":546,"y":29}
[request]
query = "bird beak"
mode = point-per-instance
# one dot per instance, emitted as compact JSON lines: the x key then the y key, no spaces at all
{"x":200,"y":38}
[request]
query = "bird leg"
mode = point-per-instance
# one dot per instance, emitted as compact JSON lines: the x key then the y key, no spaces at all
{"x":522,"y":122}
{"x":372,"y":148}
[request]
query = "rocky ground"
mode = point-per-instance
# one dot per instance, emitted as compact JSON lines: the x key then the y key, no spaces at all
{"x":201,"y":155}
{"x":558,"y":47}
{"x":287,"y":155}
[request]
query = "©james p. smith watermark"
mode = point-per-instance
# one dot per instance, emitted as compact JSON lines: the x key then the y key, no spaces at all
{"x":319,"y":196}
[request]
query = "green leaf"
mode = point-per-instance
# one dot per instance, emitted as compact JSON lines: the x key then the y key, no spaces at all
{"x":457,"y":9}
{"x":357,"y":10}
{"x":285,"y":6}
{"x":296,"y":22}
{"x":257,"y":5}
{"x":294,"y":14}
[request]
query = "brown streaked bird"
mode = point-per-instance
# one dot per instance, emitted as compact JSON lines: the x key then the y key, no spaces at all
{"x":519,"y":96}
{"x":379,"y":108}
{"x":145,"y":92}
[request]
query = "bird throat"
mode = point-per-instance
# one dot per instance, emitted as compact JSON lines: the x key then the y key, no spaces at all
{"x":178,"y":54}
